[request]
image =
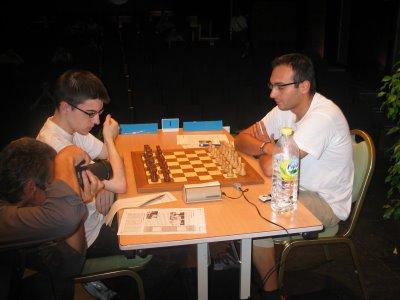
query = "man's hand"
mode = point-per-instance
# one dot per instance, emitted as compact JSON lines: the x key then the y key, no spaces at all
{"x":259,"y":131}
{"x":64,"y":166}
{"x":104,"y":200}
{"x":110,"y":129}
{"x":76,"y":153}
{"x":91,"y":186}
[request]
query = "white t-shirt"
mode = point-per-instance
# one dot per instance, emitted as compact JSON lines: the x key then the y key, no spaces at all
{"x":58,"y":138}
{"x":324,"y":134}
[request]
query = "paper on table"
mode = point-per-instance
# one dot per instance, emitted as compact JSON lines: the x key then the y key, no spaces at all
{"x":162,"y":221}
{"x":137,"y":202}
{"x":196,"y":141}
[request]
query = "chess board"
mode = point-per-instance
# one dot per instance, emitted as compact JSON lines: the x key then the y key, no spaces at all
{"x":188,"y":166}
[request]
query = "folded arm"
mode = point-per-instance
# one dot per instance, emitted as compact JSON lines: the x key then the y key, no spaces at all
{"x":58,"y":217}
{"x":256,"y":141}
{"x":117,"y":183}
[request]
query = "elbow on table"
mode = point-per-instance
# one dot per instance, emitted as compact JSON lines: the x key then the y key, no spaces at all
{"x":267,"y":172}
{"x":266,"y":164}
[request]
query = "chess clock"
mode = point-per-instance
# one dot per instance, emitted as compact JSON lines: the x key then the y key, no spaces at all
{"x":170,"y":125}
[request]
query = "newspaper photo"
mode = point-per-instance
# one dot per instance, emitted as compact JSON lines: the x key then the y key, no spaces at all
{"x":162,"y":221}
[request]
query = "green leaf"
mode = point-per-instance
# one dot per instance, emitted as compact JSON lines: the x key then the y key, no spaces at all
{"x":393,"y":130}
{"x":389,"y":93}
{"x":388,"y":213}
{"x":386,"y":78}
{"x":396,"y":213}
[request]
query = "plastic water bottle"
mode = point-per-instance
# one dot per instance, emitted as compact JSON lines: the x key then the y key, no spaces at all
{"x":285,"y":173}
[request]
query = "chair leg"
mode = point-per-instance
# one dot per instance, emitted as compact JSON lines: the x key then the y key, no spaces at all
{"x":139,"y":283}
{"x":328,"y":256}
{"x":282,"y":264}
{"x":356,"y":263}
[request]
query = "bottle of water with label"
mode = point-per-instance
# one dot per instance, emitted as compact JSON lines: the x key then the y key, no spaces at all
{"x":285,"y":173}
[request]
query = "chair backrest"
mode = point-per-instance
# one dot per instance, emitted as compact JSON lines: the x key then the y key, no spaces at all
{"x":364,"y":164}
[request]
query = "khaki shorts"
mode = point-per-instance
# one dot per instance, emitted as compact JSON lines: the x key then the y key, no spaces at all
{"x":318,"y":207}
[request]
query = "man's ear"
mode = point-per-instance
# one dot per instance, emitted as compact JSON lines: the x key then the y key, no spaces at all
{"x":305,"y":87}
{"x":64,"y":107}
{"x":29,"y":191}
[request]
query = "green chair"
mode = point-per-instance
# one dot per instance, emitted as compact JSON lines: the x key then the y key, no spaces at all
{"x":114,"y":266}
{"x":364,"y":163}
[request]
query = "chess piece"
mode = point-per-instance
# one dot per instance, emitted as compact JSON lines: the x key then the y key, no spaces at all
{"x":153,"y":176}
{"x":167,"y":177}
{"x":230,"y":172}
{"x":242,"y":170}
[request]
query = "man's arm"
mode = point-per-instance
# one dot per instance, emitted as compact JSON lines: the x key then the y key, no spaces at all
{"x":118,"y":182}
{"x":256,"y":141}
{"x":64,"y":169}
{"x":58,"y":217}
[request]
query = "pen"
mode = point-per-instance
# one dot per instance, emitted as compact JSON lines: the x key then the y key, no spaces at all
{"x":151,"y":200}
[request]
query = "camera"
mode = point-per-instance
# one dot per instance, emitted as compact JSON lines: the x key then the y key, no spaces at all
{"x":101,"y":169}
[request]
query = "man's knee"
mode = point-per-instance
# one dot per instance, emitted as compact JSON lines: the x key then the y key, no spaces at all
{"x":263,"y":243}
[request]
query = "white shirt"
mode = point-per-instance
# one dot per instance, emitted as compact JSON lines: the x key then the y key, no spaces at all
{"x":58,"y":138}
{"x":324,"y":134}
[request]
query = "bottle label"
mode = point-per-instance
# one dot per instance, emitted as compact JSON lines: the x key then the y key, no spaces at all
{"x":289,"y":169}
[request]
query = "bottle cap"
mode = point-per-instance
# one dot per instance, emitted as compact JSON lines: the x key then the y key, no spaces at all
{"x":286,"y":130}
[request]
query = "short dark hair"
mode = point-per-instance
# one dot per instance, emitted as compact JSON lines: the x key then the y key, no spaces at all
{"x":77,"y":86}
{"x":20,"y":161}
{"x":302,"y":66}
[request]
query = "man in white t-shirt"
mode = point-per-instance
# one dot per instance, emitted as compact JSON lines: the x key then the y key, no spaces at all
{"x":322,"y":134}
{"x":79,"y":97}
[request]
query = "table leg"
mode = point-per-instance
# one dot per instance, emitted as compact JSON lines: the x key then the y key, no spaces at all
{"x":245,"y":268}
{"x":202,"y":271}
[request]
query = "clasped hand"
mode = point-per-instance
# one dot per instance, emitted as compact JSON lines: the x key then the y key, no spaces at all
{"x":259,"y":131}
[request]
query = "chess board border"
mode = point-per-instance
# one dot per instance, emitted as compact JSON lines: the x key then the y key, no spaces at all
{"x":143,"y":186}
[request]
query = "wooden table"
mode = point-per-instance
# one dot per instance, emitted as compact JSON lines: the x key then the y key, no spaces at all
{"x":229,"y":219}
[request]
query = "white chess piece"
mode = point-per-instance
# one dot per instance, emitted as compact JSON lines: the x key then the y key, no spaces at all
{"x":242,"y":170}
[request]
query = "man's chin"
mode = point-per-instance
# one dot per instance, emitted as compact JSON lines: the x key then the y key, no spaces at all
{"x":84,"y":132}
{"x":280,"y":106}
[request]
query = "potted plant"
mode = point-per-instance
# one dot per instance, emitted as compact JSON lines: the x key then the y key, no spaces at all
{"x":390,"y":96}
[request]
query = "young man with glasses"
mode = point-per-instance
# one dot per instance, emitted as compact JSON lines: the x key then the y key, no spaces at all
{"x":42,"y":212}
{"x":79,"y":98}
{"x":322,"y":135}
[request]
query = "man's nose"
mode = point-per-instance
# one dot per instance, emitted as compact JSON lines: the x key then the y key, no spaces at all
{"x":272,"y":93}
{"x":96,"y":119}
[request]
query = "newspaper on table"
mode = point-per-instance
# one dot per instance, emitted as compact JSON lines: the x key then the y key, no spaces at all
{"x":200,"y":140}
{"x":162,"y":221}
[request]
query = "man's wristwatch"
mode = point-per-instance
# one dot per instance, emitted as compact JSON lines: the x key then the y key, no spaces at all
{"x":262,"y":147}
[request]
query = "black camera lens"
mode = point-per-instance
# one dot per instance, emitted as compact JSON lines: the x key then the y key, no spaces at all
{"x":101,"y":169}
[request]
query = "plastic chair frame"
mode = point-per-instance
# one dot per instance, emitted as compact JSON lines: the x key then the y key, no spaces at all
{"x":343,"y":237}
{"x":128,"y":271}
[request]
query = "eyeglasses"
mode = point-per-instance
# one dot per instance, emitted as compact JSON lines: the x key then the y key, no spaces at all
{"x":281,"y":86}
{"x":91,"y":113}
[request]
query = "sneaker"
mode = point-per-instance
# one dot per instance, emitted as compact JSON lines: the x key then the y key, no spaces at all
{"x":225,"y":261}
{"x":99,"y":290}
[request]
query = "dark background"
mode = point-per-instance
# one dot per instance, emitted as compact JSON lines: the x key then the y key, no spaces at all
{"x":152,"y":73}
{"x":353,"y":44}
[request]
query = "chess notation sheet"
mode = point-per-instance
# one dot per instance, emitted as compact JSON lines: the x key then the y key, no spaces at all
{"x":162,"y":221}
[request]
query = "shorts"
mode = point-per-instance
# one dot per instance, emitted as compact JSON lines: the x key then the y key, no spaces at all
{"x":317,"y":206}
